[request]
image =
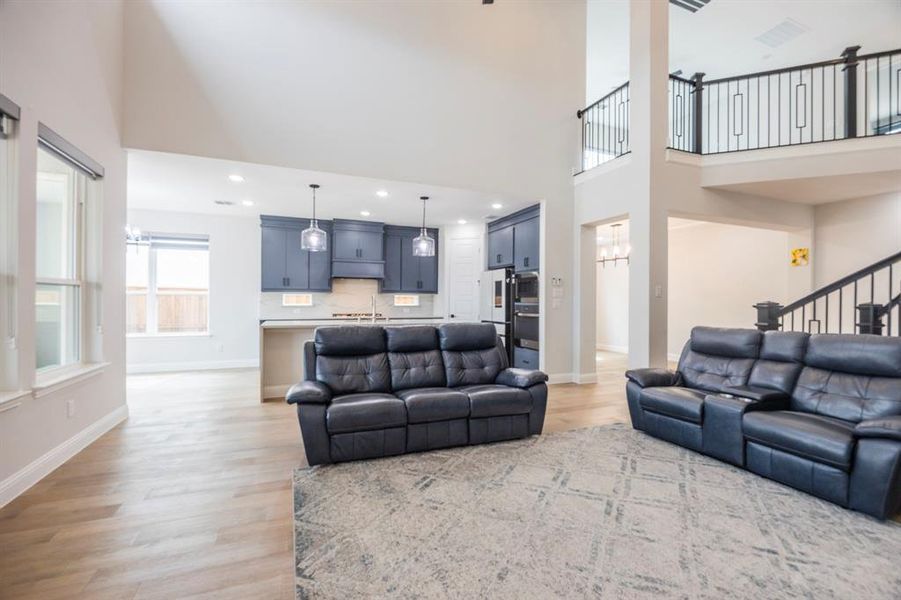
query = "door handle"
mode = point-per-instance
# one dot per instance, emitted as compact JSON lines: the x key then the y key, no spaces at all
{"x":288,"y":281}
{"x":498,"y":258}
{"x":525,"y":261}
{"x":528,"y":315}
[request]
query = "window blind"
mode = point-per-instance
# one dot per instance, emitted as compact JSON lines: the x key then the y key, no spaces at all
{"x":166,"y":241}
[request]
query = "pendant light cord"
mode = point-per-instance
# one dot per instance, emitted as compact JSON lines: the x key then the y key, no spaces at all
{"x":423,"y":198}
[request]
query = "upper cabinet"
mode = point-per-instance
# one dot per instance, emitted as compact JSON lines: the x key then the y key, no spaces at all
{"x":500,"y":247}
{"x":514,"y":241}
{"x":285,"y":266}
{"x":358,"y":249}
{"x":403,"y":271}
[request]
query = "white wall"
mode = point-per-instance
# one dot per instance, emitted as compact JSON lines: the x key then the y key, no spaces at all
{"x":717,"y":272}
{"x":62,"y":63}
{"x":613,"y":307}
{"x":233,"y":339}
{"x":852,"y":234}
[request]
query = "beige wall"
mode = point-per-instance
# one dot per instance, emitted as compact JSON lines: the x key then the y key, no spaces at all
{"x":852,"y":234}
{"x":61,"y":62}
{"x":717,"y":272}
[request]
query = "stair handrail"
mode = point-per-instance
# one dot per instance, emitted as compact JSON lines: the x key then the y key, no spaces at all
{"x":836,"y":285}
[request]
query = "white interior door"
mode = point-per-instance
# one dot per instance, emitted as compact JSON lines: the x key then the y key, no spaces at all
{"x":464,"y":270}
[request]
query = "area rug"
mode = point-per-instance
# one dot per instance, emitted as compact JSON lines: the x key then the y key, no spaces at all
{"x":605,"y":512}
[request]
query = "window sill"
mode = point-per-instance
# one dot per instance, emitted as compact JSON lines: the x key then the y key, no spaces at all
{"x":51,"y":382}
{"x":11,"y":400}
{"x":163,"y":336}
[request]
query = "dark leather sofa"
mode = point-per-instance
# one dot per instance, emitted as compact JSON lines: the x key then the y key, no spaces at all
{"x":373,"y":391}
{"x":821,"y":413}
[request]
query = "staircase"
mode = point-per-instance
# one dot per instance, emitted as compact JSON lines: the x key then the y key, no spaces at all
{"x":866,"y":301}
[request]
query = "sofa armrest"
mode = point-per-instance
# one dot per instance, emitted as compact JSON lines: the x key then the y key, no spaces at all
{"x":309,"y":392}
{"x":653,"y":377}
{"x":887,"y":428}
{"x":758,"y":394}
{"x":520,"y":378}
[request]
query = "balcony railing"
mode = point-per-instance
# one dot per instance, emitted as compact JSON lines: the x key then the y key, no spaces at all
{"x":851,"y":96}
{"x":605,"y":128}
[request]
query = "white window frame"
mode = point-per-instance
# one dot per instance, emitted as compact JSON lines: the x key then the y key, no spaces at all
{"x":76,"y":282}
{"x":152,"y":307}
{"x":9,"y":241}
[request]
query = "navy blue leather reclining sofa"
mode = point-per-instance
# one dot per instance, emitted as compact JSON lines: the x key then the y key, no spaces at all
{"x":821,"y":413}
{"x":373,"y":391}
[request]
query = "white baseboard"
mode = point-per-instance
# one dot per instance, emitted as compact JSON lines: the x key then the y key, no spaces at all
{"x":19,"y":482}
{"x":587,"y":378}
{"x":553,"y":378}
{"x":276,"y":391}
{"x":201,"y":365}
{"x":613,"y":348}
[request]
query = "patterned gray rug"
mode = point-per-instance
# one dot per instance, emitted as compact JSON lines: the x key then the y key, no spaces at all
{"x":605,"y":512}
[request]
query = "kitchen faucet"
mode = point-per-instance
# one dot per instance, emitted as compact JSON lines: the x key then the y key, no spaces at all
{"x":372,"y":303}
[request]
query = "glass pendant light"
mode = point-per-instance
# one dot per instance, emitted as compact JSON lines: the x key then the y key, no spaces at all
{"x":423,"y":245}
{"x":312,"y":238}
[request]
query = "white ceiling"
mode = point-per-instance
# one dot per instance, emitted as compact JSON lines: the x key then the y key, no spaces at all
{"x":176,"y":182}
{"x":719,"y":39}
{"x":451,"y":93}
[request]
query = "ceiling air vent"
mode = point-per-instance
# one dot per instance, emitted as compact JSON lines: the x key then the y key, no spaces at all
{"x":224,"y":202}
{"x":690,"y":5}
{"x":785,"y":31}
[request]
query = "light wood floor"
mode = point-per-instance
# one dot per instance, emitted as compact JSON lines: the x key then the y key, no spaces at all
{"x":191,"y":497}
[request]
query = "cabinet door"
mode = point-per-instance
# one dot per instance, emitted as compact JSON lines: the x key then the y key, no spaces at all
{"x":526,"y":245}
{"x":370,"y":245}
{"x":393,"y":264}
{"x":428,"y":270}
{"x":347,"y":245}
{"x":321,"y":263}
{"x":409,"y":265}
{"x":500,"y":248}
{"x":297,"y":271}
{"x":273,"y":258}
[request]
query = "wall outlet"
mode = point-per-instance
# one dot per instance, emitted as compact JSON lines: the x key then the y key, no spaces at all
{"x":658,"y":291}
{"x":70,"y":408}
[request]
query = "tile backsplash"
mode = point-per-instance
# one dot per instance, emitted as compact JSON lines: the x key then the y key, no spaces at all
{"x":347,"y":296}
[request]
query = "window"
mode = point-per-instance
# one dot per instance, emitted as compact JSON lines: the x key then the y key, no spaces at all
{"x":58,"y":297}
{"x":168,"y":285}
{"x":9,"y":241}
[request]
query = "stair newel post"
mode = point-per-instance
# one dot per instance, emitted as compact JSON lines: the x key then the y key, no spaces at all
{"x":698,"y":108}
{"x":870,"y":318}
{"x":850,"y":71}
{"x":768,"y":315}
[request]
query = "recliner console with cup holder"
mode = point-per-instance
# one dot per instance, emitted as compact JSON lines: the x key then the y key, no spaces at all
{"x":821,"y":412}
{"x":372,"y":391}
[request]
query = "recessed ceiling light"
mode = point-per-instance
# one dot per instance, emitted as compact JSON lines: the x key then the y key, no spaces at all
{"x":235,"y":178}
{"x":461,"y":221}
{"x":497,"y":205}
{"x":382,"y":193}
{"x":247,"y":202}
{"x":365,"y":213}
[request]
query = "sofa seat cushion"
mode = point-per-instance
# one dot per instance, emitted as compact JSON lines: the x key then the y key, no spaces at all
{"x":425,"y":405}
{"x":492,"y":400}
{"x":680,"y":403}
{"x":362,"y":412}
{"x":821,"y":439}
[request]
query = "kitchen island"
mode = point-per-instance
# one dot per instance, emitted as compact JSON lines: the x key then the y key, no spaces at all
{"x":281,"y":347}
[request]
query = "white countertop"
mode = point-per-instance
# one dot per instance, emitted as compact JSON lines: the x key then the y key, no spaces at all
{"x":312,"y":323}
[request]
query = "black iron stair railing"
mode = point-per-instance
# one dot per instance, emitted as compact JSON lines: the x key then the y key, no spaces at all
{"x":866,"y":301}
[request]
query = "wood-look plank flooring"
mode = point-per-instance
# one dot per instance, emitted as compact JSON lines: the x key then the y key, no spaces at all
{"x":191,"y":497}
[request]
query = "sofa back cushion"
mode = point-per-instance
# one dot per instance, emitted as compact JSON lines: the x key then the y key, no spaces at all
{"x":780,"y":362}
{"x":414,"y":357}
{"x":471,"y":352}
{"x":850,"y":377}
{"x":352,"y":359}
{"x":715,"y":358}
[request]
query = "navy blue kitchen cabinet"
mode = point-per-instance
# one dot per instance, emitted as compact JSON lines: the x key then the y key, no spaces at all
{"x":500,"y":247}
{"x":526,"y":245}
{"x":285,"y":266}
{"x":514,"y":241}
{"x":358,"y":249}
{"x":403,"y":271}
{"x":525,"y":358}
